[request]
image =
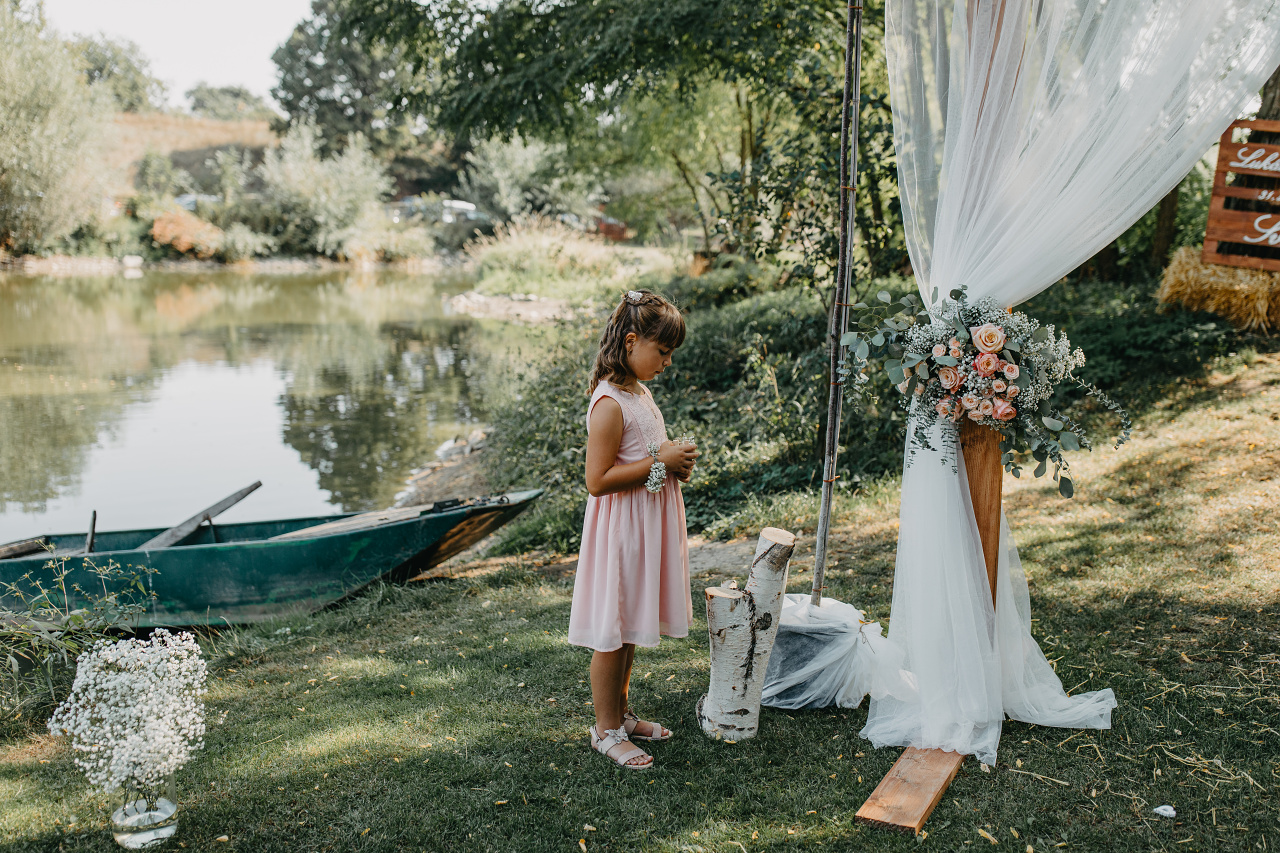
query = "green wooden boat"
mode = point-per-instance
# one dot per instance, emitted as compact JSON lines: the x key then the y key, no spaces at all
{"x":253,"y":571}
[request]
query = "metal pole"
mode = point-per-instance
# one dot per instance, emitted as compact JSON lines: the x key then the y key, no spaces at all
{"x":839,"y":321}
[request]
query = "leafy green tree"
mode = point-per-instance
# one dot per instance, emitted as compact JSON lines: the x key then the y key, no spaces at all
{"x":594,"y":69}
{"x":336,"y":77}
{"x":120,"y":67}
{"x":228,"y":103}
{"x":50,"y":128}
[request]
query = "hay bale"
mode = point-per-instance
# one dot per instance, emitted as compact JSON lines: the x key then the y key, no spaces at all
{"x":1248,"y":298}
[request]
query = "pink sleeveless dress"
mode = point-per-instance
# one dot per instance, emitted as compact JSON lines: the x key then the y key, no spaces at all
{"x":632,"y":583}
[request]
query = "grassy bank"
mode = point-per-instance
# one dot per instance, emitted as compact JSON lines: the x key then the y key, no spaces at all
{"x":453,"y":715}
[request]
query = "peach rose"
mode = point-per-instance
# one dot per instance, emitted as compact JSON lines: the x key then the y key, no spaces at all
{"x":975,"y":415}
{"x":949,"y":377}
{"x":970,"y":401}
{"x":954,"y":344}
{"x":988,"y":337}
{"x":902,"y":387}
{"x":939,"y":350}
{"x":944,"y":406}
{"x":1004,"y":411}
{"x":957,"y":353}
{"x":998,"y":386}
{"x":986,"y":364}
{"x":919,"y":388}
{"x":986,"y":407}
{"x":1011,"y":371}
{"x":1012,"y":391}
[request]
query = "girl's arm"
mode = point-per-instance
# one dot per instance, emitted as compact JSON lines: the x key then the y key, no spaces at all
{"x":603,"y":441}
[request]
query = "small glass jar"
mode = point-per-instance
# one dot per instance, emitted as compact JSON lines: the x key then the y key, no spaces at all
{"x":145,"y":817}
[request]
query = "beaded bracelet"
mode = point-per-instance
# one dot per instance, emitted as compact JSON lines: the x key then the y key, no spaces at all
{"x":657,"y":471}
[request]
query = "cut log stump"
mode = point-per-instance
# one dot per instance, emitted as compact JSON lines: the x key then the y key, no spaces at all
{"x":742,"y":624}
{"x":907,"y":794}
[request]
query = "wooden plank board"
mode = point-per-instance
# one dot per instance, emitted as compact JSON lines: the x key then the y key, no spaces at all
{"x":908,"y":793}
{"x":1244,"y":226}
{"x":178,"y":532}
{"x":21,"y":548}
{"x":357,"y":522}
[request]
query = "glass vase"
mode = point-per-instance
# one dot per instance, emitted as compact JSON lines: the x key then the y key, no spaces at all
{"x":146,"y":816}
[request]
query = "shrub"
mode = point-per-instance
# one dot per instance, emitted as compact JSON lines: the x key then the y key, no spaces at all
{"x":375,"y":237}
{"x":537,"y":254}
{"x":51,"y":127}
{"x":313,"y":201}
{"x":511,"y":178}
{"x":186,"y":233}
{"x":41,"y":635}
{"x":749,"y":384}
{"x":240,"y":243}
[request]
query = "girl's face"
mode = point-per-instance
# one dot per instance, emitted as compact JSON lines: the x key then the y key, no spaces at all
{"x":647,"y":358}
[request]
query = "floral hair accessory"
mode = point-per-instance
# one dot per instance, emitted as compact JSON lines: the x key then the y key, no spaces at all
{"x":634,"y":297}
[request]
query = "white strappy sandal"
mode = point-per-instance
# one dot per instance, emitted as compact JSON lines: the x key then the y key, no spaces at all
{"x":630,"y":722}
{"x":614,"y":738}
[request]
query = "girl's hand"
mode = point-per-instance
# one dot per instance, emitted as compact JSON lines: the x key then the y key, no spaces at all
{"x":679,"y":459}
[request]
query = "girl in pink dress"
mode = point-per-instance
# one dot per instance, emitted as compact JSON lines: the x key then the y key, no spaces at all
{"x":632,"y":583}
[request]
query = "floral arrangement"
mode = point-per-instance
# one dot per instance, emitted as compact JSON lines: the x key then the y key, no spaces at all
{"x":135,"y":714}
{"x":978,"y":362}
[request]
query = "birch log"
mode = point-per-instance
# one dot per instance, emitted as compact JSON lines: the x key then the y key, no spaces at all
{"x":742,"y":624}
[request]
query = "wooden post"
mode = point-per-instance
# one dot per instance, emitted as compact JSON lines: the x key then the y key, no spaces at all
{"x":981,"y":448}
{"x":906,"y":796}
{"x":742,"y":625}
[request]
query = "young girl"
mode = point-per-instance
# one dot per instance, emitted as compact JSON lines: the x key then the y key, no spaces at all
{"x":633,"y":570}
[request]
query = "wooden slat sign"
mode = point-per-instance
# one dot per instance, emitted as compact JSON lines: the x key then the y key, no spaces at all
{"x":1260,"y":226}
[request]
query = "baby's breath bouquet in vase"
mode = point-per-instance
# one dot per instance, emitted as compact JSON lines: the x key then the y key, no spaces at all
{"x":135,"y":717}
{"x":978,"y":362}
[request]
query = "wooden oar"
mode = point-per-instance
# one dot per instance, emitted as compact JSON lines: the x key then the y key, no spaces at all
{"x":178,"y":532}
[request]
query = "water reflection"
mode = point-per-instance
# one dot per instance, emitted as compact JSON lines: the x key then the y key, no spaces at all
{"x":147,"y":399}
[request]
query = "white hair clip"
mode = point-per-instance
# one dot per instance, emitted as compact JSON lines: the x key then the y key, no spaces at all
{"x":634,"y":297}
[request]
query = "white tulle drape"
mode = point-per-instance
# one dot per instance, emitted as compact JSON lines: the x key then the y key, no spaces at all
{"x":1029,"y":135}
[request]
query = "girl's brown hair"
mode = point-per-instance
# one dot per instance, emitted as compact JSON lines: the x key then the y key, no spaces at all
{"x":649,"y":316}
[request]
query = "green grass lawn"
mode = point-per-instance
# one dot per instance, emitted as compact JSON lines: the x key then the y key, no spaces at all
{"x":453,"y":715}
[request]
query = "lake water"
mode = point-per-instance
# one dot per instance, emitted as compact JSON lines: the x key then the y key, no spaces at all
{"x":148,"y":399}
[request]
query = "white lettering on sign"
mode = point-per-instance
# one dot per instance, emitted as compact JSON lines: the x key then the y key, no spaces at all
{"x":1271,"y":236}
{"x":1254,"y":160}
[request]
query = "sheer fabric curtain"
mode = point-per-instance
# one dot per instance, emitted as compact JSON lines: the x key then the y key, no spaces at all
{"x":1029,"y":134}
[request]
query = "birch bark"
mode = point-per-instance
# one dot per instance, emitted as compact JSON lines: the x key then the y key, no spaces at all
{"x":742,"y":624}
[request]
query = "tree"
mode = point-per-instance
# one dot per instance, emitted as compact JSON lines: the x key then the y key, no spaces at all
{"x":344,"y":83}
{"x":583,"y":69}
{"x":119,"y":66}
{"x":228,"y":103}
{"x":52,"y":123}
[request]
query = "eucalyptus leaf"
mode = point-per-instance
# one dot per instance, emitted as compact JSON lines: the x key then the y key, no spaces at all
{"x":897,"y":376}
{"x":860,"y":306}
{"x":878,"y":340}
{"x":912,"y":360}
{"x":1040,"y":335}
{"x":947,"y":360}
{"x":956,"y":293}
{"x":934,"y":298}
{"x":849,"y":338}
{"x":1069,"y":441}
{"x":1042,"y":467}
{"x":1065,"y":487}
{"x":863,"y":350}
{"x":885,"y":296}
{"x":1053,"y":424}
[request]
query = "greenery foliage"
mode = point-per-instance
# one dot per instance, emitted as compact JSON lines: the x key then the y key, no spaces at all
{"x":313,"y":200}
{"x":52,"y":124}
{"x":227,"y":103}
{"x":747,"y":384}
{"x":120,"y":68}
{"x":340,"y":77}
{"x":41,"y":636}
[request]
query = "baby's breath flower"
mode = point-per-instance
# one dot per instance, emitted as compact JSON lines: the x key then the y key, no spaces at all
{"x":135,"y":714}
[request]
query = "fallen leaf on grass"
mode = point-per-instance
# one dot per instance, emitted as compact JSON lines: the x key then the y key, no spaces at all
{"x":988,"y":836}
{"x":499,"y":802}
{"x":582,"y":844}
{"x":588,"y":827}
{"x":222,"y":838}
